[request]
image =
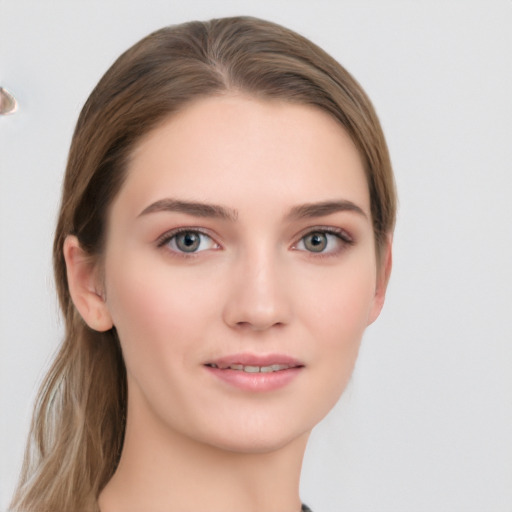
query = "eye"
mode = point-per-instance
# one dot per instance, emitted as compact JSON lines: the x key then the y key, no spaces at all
{"x":324,"y":241}
{"x":188,"y":241}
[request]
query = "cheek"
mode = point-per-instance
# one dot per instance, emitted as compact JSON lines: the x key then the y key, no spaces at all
{"x":340,"y":301}
{"x":156,"y":310}
{"x":336,"y":317}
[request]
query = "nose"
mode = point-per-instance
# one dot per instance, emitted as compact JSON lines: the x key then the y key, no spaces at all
{"x":258,"y":296}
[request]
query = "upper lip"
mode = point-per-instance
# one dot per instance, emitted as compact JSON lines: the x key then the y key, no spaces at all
{"x":255,"y":360}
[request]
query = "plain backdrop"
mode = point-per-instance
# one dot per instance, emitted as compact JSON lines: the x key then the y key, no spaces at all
{"x":426,"y":423}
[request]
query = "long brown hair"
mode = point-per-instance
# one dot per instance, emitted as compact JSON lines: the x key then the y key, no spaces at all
{"x":78,"y":425}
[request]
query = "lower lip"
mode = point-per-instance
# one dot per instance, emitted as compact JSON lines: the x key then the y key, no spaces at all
{"x":246,"y":381}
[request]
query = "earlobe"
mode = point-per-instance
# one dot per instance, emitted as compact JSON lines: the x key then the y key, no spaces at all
{"x":383,"y":275}
{"x":84,"y":286}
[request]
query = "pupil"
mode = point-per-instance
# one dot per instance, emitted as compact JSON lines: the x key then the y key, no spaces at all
{"x":189,"y":239}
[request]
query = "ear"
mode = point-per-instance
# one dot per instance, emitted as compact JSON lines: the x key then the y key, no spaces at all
{"x":85,"y":287}
{"x":383,"y":273}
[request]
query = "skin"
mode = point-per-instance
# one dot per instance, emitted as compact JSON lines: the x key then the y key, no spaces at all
{"x":254,"y":286}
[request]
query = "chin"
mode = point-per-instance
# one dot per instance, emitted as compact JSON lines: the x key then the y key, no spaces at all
{"x":256,"y":443}
{"x":258,"y":434}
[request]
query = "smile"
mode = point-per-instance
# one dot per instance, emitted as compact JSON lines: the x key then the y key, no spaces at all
{"x":255,"y":373}
{"x":252,"y":369}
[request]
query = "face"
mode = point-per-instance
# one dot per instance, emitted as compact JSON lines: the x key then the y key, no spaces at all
{"x":240,"y":271}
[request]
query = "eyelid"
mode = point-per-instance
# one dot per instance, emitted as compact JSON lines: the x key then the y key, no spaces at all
{"x":343,"y":234}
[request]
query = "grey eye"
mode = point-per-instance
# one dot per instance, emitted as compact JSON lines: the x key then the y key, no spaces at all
{"x":315,"y":242}
{"x":188,"y":241}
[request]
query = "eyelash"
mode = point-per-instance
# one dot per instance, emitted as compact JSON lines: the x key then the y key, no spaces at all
{"x":343,"y":237}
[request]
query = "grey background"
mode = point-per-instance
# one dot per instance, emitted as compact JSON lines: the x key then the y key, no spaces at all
{"x":426,"y":422}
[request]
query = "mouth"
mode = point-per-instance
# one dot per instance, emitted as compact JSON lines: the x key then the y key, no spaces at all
{"x":253,"y":368}
{"x":255,"y":373}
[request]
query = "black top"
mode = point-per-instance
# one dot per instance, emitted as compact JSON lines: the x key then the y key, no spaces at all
{"x":305,"y":508}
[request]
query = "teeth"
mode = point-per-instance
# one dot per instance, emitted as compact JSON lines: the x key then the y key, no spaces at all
{"x":252,"y":369}
{"x":274,"y":368}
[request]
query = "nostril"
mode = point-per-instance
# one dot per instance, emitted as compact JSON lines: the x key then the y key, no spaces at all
{"x":258,"y":325}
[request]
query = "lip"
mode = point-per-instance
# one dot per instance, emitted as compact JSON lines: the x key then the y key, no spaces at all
{"x":255,"y":382}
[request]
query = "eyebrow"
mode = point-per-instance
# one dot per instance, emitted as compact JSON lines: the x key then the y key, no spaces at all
{"x":195,"y":209}
{"x":198,"y":209}
{"x":310,"y":210}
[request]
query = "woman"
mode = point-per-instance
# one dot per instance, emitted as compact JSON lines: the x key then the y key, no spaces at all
{"x":223,"y":241}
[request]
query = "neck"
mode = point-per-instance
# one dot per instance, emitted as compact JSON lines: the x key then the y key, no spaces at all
{"x":162,"y":470}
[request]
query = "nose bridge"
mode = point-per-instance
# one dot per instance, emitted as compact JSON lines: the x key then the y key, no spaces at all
{"x":259,"y":298}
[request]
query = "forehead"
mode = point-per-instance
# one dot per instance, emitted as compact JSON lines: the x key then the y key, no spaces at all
{"x":237,"y":150}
